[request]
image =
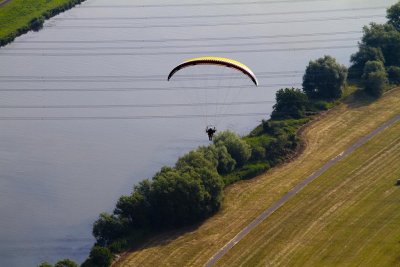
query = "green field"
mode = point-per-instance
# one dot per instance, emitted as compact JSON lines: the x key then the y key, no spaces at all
{"x":347,"y":217}
{"x":325,"y":138}
{"x":16,"y":15}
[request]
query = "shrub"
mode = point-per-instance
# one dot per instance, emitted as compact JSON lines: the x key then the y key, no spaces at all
{"x":365,"y":53}
{"x":36,"y":24}
{"x":393,"y":14}
{"x":182,"y":197}
{"x":252,"y":170}
{"x":386,"y":38}
{"x":394,"y":74}
{"x":119,"y":245}
{"x":66,"y":263}
{"x":239,"y":150}
{"x":108,"y":228}
{"x":226,"y":163}
{"x":100,"y":256}
{"x":324,"y":79}
{"x":290,"y":103}
{"x":375,"y":83}
{"x":258,"y":152}
{"x":372,"y":66}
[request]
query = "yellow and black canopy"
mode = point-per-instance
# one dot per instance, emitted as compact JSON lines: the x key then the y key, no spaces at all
{"x":220,"y":61}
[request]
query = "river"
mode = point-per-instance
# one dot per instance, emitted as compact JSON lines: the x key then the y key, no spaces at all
{"x":86,"y":111}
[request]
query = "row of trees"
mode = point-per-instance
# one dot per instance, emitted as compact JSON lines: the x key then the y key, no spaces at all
{"x":190,"y":191}
{"x":376,"y":64}
{"x":378,"y":60}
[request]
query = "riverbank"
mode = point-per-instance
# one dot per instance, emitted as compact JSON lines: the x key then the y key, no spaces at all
{"x":18,"y":17}
{"x":246,"y":199}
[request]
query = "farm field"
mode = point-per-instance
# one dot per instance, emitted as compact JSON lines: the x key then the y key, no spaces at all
{"x":326,"y":137}
{"x":347,"y":217}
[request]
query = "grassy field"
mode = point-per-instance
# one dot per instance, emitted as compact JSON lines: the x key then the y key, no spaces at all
{"x":347,"y":217}
{"x":17,"y":14}
{"x":325,"y":137}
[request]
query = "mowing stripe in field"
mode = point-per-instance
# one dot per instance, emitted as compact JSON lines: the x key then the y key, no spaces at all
{"x":297,"y":189}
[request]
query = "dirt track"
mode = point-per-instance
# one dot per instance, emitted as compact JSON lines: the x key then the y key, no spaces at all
{"x":297,"y":189}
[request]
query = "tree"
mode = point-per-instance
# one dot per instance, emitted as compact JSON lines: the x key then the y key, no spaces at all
{"x":239,"y":150}
{"x":45,"y":264}
{"x":135,"y":208}
{"x":372,"y":66}
{"x":177,"y":197}
{"x":385,"y":37}
{"x":66,"y":263}
{"x":226,"y":163}
{"x":375,"y":78}
{"x":196,"y":159}
{"x":365,"y":54}
{"x":324,"y":79}
{"x":393,"y":15}
{"x":36,"y":24}
{"x":100,"y":257}
{"x":290,"y":103}
{"x":394,"y":74}
{"x":108,"y":228}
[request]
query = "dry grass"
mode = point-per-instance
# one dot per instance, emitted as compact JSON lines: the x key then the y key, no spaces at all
{"x":347,"y":217}
{"x":326,"y":138}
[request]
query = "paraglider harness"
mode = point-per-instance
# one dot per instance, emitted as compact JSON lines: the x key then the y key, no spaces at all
{"x":210,"y":131}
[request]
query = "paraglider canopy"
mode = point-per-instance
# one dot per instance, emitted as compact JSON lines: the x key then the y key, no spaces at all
{"x":220,"y":61}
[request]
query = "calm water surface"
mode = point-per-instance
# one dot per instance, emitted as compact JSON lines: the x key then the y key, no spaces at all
{"x":57,"y":175}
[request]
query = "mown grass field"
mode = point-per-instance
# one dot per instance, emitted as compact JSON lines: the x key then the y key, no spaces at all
{"x":325,"y":137}
{"x":18,"y":13}
{"x":347,"y":217}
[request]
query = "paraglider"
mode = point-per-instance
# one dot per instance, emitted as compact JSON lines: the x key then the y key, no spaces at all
{"x":210,"y":131}
{"x":217,"y":62}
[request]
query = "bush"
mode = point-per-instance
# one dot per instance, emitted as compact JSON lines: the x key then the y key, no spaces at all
{"x":324,"y":79}
{"x":45,"y":264}
{"x":239,"y":150}
{"x":375,"y":83}
{"x":319,"y":105}
{"x":36,"y":24}
{"x":290,"y":103}
{"x":386,"y":38}
{"x":358,"y":60}
{"x":226,"y":163}
{"x":258,"y":152}
{"x":119,"y":245}
{"x":66,"y":263}
{"x":372,"y":66}
{"x":99,"y":257}
{"x":393,"y":14}
{"x":252,"y":170}
{"x":108,"y":228}
{"x":394,"y":74}
{"x":198,"y":159}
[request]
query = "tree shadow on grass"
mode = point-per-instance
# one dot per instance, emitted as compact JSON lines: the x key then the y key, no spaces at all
{"x":359,"y":99}
{"x":159,"y":238}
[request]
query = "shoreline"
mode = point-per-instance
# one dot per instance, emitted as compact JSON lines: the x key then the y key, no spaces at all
{"x":34,"y":23}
